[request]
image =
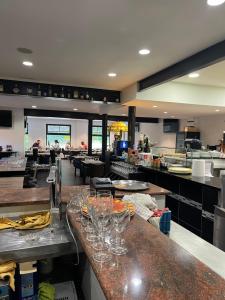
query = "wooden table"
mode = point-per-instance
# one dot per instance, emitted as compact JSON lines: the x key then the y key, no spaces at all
{"x":155,"y":268}
{"x":11,"y":182}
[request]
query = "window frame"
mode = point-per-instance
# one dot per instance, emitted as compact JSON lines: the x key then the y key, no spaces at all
{"x":57,"y":133}
{"x":108,"y":134}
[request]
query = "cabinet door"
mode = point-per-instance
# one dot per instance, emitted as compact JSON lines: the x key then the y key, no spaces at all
{"x":207,"y":229}
{"x":173,"y":205}
{"x":190,"y":215}
{"x":191,"y":190}
{"x":169,"y":182}
{"x":210,"y":198}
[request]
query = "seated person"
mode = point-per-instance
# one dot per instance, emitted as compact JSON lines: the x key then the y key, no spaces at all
{"x":83,"y":146}
{"x":37,"y":144}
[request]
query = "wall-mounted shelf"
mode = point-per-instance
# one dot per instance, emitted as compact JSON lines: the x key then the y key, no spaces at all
{"x":43,"y":90}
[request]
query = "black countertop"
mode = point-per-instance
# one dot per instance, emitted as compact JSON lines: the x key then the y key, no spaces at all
{"x":214,"y":182}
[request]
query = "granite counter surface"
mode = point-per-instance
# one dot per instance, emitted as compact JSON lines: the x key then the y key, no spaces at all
{"x":16,"y":197}
{"x":153,"y":191}
{"x":154,"y":268}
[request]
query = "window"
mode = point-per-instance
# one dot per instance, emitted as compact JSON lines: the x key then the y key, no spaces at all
{"x":61,"y":133}
{"x":97,"y":137}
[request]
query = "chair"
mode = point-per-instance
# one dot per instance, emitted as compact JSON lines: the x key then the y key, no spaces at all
{"x":77,"y":165}
{"x":94,"y":170}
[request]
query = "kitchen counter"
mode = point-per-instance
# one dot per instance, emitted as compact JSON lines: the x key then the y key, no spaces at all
{"x":154,"y":268}
{"x":208,"y":181}
{"x":192,"y":200}
{"x":18,"y":197}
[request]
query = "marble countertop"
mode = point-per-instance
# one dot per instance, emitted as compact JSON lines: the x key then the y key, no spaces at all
{"x":153,"y":191}
{"x":154,"y":268}
{"x":16,"y":197}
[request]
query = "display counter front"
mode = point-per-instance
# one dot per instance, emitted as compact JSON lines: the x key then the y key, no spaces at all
{"x":192,"y":200}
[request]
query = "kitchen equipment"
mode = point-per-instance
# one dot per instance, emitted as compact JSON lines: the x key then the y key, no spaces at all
{"x":130,"y":185}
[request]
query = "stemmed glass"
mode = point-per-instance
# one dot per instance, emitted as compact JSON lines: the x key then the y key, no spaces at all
{"x":120,"y":222}
{"x":101,"y":218}
{"x":75,"y":204}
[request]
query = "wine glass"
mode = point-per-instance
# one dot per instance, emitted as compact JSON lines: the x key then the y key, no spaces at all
{"x":101,"y":217}
{"x":75,"y":204}
{"x":120,"y":222}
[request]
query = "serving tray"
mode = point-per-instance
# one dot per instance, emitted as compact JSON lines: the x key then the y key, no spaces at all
{"x":130,"y":185}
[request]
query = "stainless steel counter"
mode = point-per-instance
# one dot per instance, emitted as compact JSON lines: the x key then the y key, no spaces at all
{"x":27,"y":245}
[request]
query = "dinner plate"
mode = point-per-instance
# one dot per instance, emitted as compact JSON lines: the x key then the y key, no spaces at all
{"x":179,"y":170}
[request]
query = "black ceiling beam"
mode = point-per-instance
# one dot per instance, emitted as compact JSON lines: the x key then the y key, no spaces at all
{"x":202,"y":59}
{"x":81,"y":115}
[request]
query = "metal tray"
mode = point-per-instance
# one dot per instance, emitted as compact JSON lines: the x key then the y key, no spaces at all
{"x":130,"y":185}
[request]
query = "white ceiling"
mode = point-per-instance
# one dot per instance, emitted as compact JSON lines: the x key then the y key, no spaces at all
{"x":80,"y":41}
{"x":210,"y":76}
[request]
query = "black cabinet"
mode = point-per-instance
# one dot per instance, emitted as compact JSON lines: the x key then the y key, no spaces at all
{"x":168,"y":182}
{"x":191,"y":190}
{"x":209,"y":198}
{"x":191,"y":214}
{"x":173,"y":204}
{"x":207,"y":229}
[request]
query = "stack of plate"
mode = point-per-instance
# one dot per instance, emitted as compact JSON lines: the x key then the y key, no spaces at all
{"x":180,"y":170}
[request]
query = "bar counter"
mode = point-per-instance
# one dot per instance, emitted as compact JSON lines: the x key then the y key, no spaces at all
{"x":154,"y":190}
{"x":213,"y":182}
{"x":155,"y":267}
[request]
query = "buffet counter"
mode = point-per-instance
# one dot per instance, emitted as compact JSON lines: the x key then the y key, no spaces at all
{"x":155,"y":267}
{"x":192,"y":200}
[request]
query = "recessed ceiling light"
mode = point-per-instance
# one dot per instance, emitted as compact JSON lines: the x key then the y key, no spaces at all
{"x":217,"y":110}
{"x":34,"y":106}
{"x":215,"y":2}
{"x":112,"y":74}
{"x":193,"y":75}
{"x":165,"y":112}
{"x":27,"y":63}
{"x":154,"y":106}
{"x":75,"y":109}
{"x":144,"y":51}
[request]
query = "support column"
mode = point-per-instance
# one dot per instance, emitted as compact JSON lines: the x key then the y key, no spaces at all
{"x":90,"y":124}
{"x":131,"y":125}
{"x":104,"y":135}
